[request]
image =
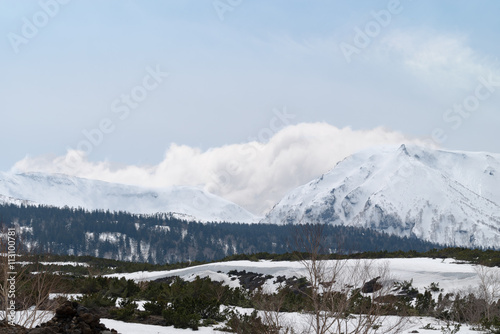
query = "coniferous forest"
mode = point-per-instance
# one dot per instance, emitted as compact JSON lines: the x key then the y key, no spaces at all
{"x":162,"y":238}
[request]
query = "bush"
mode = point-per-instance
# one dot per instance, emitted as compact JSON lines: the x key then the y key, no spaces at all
{"x":491,"y":326}
{"x":126,"y":310}
{"x":247,"y":324}
{"x":155,"y":308}
{"x":182,"y":314}
{"x":95,"y":300}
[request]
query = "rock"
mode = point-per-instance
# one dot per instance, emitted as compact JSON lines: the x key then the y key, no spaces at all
{"x":81,"y":309}
{"x":66,"y":310}
{"x":371,"y":286}
{"x":5,"y":328}
{"x":43,"y":330}
{"x":71,"y":318}
{"x":89,"y":318}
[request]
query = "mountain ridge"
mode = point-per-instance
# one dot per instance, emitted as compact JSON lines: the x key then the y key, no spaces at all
{"x":441,"y":196}
{"x":447,"y":197}
{"x":63,"y":190}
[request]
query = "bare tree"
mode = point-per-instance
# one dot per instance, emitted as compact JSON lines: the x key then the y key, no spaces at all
{"x":270,"y":306}
{"x":343,"y":293}
{"x":478,"y":304}
{"x":25,"y":285}
{"x":8,"y":273}
{"x":488,"y":289}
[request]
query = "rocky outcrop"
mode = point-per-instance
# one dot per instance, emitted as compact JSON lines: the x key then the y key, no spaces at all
{"x":70,"y":318}
{"x":371,"y":286}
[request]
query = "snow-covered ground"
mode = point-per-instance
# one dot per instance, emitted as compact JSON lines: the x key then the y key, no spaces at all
{"x":448,"y":273}
{"x":29,"y":318}
{"x":451,"y":276}
{"x":128,"y":328}
{"x":298,"y":321}
{"x":60,"y":263}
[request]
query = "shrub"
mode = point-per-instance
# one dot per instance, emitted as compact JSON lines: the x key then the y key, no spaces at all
{"x":181,"y":314}
{"x":95,"y":300}
{"x":247,"y":324}
{"x":126,"y":310}
{"x":155,"y":308}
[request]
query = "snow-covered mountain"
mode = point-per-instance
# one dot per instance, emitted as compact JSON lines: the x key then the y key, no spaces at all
{"x":447,"y":197}
{"x":60,"y":190}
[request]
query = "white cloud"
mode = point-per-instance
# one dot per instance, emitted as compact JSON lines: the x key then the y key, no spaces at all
{"x":444,"y":60}
{"x":255,"y":175}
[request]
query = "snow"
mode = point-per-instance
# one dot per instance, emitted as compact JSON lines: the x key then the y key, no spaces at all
{"x":89,"y":236}
{"x":69,"y":296}
{"x":162,"y":228}
{"x":447,"y":197}
{"x":112,"y":237}
{"x":298,"y":321}
{"x":60,"y":263}
{"x":16,"y":201}
{"x":212,"y":269}
{"x":450,"y":275}
{"x":60,"y":190}
{"x":26,"y":229}
{"x":130,"y":328}
{"x":30,"y":318}
{"x":139,"y":303}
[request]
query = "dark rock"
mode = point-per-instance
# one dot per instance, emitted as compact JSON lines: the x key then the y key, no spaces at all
{"x":81,"y":309}
{"x":371,"y":286}
{"x":5,"y":328}
{"x":71,"y":318}
{"x":66,"y":310}
{"x":88,"y":318}
{"x":250,"y":280}
{"x":45,"y":330}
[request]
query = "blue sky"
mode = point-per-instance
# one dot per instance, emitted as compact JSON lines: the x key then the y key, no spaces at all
{"x":229,"y":70}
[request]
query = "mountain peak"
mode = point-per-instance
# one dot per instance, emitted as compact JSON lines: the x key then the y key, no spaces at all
{"x":403,"y":149}
{"x":447,"y":197}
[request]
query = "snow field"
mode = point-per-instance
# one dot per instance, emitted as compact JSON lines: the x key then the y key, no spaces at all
{"x":450,"y":275}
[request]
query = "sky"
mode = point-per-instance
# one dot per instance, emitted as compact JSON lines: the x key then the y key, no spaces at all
{"x":247,"y":99}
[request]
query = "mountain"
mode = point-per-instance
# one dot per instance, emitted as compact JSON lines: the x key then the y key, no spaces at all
{"x":446,"y":197}
{"x":60,"y":190}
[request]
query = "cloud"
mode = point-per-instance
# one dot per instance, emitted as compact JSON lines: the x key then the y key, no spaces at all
{"x":440,"y":59}
{"x":255,"y":175}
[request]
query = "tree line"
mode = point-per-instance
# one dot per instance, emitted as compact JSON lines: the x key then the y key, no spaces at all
{"x":161,"y":238}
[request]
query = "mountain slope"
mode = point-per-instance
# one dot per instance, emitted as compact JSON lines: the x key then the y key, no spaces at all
{"x":441,"y":196}
{"x":62,"y":190}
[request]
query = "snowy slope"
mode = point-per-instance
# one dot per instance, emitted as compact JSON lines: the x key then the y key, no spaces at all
{"x":300,"y":322}
{"x":451,"y":275}
{"x":62,"y":190}
{"x":15,"y":201}
{"x":445,"y":197}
